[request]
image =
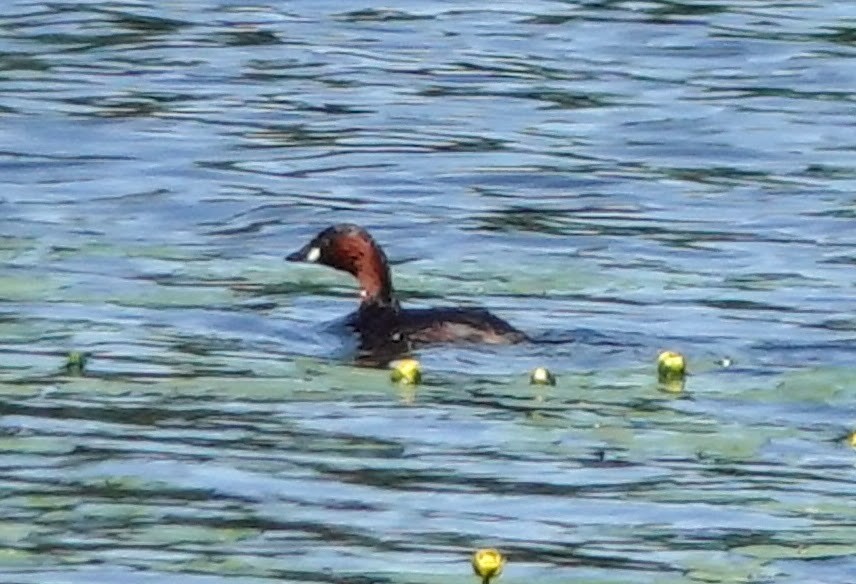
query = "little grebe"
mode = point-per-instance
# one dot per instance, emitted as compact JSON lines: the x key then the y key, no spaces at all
{"x":382,"y":325}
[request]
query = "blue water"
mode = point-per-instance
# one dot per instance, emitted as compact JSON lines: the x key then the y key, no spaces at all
{"x":615,"y":178}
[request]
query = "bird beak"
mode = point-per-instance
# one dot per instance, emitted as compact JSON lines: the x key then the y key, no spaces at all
{"x":296,"y":256}
{"x":308,"y":253}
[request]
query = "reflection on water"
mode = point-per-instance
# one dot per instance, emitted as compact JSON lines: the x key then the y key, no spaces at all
{"x":613,"y":178}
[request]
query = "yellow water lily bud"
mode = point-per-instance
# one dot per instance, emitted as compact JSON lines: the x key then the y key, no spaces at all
{"x":851,"y":439}
{"x":487,"y":564}
{"x":671,"y":366}
{"x":542,"y":376}
{"x":407,"y":371}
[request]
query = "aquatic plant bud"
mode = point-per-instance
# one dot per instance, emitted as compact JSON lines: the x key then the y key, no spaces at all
{"x":487,"y":564}
{"x":75,"y":363}
{"x":542,"y":376}
{"x":407,"y":371}
{"x":851,"y":439}
{"x":671,"y":366}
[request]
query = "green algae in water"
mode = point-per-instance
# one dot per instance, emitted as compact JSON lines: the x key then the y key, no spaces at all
{"x":26,"y":288}
{"x":75,"y":363}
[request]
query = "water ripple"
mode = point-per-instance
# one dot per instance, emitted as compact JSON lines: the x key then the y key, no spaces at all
{"x":614,"y":178}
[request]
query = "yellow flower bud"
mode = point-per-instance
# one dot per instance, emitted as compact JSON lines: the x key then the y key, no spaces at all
{"x":542,"y":376}
{"x":407,"y":371}
{"x":487,"y":564}
{"x":671,"y":366}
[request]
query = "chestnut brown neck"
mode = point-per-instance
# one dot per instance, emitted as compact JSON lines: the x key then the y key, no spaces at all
{"x":360,"y":256}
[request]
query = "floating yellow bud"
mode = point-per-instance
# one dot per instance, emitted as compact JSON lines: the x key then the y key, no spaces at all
{"x":851,"y":439}
{"x":487,"y":564}
{"x":75,"y":363}
{"x":671,"y":366}
{"x":542,"y":376}
{"x":407,"y":371}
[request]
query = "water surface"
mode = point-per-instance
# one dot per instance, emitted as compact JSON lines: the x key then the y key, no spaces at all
{"x":620,"y":177}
